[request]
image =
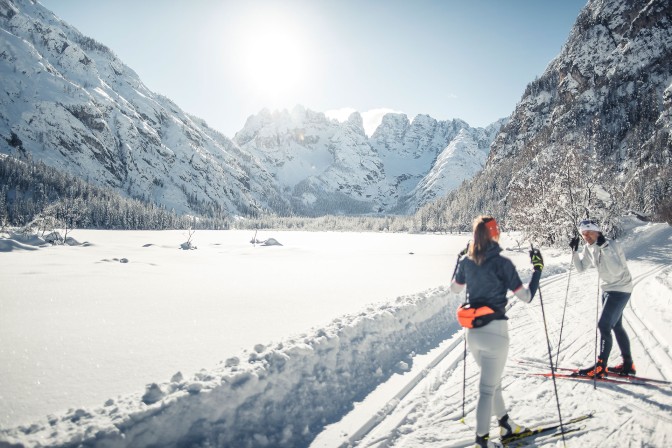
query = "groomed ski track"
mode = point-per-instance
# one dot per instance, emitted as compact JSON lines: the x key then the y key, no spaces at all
{"x":424,"y":407}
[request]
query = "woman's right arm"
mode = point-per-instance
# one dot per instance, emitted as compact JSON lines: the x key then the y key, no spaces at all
{"x":526,"y":293}
{"x":581,"y":262}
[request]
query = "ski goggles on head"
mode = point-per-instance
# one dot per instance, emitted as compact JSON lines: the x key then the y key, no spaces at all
{"x":589,"y":224}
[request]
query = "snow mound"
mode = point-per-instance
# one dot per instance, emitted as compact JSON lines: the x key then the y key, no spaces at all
{"x":27,"y":238}
{"x":30,"y":241}
{"x":279,"y":396}
{"x":8,"y":245}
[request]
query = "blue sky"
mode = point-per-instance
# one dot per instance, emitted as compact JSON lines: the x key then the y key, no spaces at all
{"x":225,"y":60}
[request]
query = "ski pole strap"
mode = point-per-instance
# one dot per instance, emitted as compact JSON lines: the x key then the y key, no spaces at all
{"x":473,"y":315}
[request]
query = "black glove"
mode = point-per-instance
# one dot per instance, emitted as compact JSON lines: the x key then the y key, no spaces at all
{"x":574,"y":243}
{"x":464,"y":251}
{"x":601,"y":240}
{"x":537,"y":260}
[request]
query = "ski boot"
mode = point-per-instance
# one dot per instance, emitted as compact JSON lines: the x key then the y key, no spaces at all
{"x":599,"y":370}
{"x":485,"y":442}
{"x":508,"y":427}
{"x":626,"y":368}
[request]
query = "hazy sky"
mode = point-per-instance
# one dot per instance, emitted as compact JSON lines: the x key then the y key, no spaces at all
{"x":224,"y":60}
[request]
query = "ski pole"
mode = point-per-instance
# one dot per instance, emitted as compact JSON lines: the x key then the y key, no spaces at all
{"x":550,"y":360}
{"x":564,"y":309}
{"x":464,"y":356}
{"x":464,"y":375}
{"x":597,"y":315}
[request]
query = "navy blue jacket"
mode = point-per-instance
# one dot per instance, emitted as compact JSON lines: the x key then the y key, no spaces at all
{"x":488,"y":283}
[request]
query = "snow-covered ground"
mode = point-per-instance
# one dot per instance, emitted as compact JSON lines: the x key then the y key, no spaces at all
{"x":288,"y":339}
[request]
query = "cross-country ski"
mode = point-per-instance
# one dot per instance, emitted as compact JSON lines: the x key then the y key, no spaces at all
{"x":567,"y":427}
{"x":606,"y":379}
{"x":575,"y":372}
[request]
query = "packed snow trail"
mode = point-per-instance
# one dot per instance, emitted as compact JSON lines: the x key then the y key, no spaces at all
{"x":626,"y":415}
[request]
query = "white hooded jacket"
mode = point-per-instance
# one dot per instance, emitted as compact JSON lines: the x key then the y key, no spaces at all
{"x":611,"y":265}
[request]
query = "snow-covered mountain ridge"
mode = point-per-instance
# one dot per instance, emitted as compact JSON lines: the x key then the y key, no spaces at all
{"x":327,"y":166}
{"x":70,"y":102}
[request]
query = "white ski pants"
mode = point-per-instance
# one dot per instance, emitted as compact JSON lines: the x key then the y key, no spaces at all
{"x":490,"y":346}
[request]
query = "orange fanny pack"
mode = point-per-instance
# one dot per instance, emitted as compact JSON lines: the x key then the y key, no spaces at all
{"x":471,"y":316}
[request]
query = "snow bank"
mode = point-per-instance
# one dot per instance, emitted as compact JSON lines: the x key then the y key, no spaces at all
{"x":272,"y":396}
{"x":20,"y":241}
{"x":8,"y":245}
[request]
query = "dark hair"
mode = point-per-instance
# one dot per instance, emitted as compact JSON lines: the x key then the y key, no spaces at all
{"x":481,"y":239}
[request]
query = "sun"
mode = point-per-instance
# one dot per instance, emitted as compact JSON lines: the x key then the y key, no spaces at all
{"x":272,"y":58}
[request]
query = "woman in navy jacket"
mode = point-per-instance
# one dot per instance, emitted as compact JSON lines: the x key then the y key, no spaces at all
{"x":488,"y":276}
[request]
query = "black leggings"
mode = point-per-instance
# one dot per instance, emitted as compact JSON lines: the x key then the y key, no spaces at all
{"x":613,"y":304}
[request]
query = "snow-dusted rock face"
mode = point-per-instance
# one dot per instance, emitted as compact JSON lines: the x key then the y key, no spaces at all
{"x":464,"y":156}
{"x":608,"y":81}
{"x":597,"y":121}
{"x":410,"y":150}
{"x":331,"y":167}
{"x":70,"y":102}
{"x":322,"y":165}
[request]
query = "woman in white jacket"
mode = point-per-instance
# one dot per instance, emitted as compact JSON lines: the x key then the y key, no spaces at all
{"x":616,"y":283}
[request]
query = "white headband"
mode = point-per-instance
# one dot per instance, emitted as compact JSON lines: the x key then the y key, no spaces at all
{"x":588,"y":224}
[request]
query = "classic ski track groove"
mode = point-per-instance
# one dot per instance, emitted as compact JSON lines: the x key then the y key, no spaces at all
{"x":636,"y":323}
{"x":639,"y":332}
{"x":470,"y":404}
{"x":524,"y":318}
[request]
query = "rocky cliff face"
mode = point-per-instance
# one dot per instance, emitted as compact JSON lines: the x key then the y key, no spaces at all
{"x":69,"y":101}
{"x":592,"y":134}
{"x":331,"y":167}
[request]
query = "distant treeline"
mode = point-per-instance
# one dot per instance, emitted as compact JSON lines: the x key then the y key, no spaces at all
{"x":33,"y":194}
{"x":31,"y":191}
{"x":332,"y":223}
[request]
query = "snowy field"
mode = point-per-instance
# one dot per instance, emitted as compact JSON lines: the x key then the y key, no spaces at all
{"x":77,"y":326}
{"x":276,"y":344}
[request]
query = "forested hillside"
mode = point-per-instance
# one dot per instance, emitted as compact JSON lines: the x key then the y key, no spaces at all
{"x":35,"y":195}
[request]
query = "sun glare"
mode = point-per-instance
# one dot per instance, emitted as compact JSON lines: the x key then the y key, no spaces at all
{"x":272,"y":58}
